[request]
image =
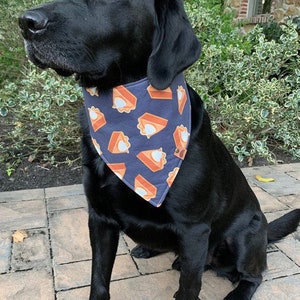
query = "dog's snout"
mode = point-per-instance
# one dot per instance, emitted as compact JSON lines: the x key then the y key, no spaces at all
{"x":32,"y":23}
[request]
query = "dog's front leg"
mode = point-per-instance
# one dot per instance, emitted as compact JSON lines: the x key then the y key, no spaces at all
{"x":193,"y":252}
{"x":104,"y":237}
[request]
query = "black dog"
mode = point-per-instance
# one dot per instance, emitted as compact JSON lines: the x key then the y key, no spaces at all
{"x":210,"y":216}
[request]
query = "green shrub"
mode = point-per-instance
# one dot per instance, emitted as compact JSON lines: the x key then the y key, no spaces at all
{"x":250,"y":84}
{"x":38,"y":116}
{"x":41,"y":117}
{"x":272,"y":30}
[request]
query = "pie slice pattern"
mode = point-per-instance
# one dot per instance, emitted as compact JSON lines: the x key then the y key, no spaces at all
{"x":148,"y":125}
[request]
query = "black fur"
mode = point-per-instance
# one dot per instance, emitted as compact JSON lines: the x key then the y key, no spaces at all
{"x":210,"y":218}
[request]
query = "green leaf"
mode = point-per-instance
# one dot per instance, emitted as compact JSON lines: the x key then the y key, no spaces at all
{"x":264,"y":113}
{"x":3,"y":111}
{"x":60,"y":102}
{"x":73,"y":98}
{"x":11,"y":102}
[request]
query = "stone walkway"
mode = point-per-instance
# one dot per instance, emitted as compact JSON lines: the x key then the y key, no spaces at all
{"x":53,"y":262}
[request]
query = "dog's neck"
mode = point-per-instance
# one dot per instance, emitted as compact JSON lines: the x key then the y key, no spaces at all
{"x":107,"y":82}
{"x":113,"y":76}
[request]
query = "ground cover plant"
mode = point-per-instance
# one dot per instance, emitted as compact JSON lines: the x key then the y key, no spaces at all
{"x":249,"y":82}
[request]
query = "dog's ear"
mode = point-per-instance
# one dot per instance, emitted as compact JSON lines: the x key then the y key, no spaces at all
{"x":175,"y":46}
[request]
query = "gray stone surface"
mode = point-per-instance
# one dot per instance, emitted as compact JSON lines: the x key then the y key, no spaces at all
{"x":290,"y":246}
{"x":54,"y":261}
{"x":66,"y":202}
{"x":64,"y":191}
{"x":157,"y":286}
{"x":22,"y":215}
{"x":5,"y":250}
{"x":285,"y":183}
{"x":33,"y":252}
{"x":22,"y":195}
{"x":69,"y":234}
{"x":286,"y":288}
{"x":32,"y":284}
{"x":76,"y":294}
{"x":267,"y":202}
{"x":72,"y":275}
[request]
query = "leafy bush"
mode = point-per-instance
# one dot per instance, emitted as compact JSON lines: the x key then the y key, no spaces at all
{"x":250,"y":84}
{"x":41,"y":114}
{"x":38,"y":116}
{"x":272,"y":30}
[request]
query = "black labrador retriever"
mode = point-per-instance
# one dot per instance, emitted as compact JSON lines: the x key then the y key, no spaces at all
{"x":210,"y":217}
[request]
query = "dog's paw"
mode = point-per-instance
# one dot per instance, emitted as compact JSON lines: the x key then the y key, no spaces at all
{"x":143,"y":252}
{"x":238,"y":295}
{"x":177,"y":297}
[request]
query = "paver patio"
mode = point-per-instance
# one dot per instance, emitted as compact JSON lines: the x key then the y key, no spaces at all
{"x":54,"y":261}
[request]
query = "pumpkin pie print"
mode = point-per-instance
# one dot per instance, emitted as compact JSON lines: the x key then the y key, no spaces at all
{"x":153,"y":159}
{"x":159,"y":94}
{"x":118,"y":143}
{"x":150,"y":124}
{"x":181,"y":137}
{"x":118,"y":168}
{"x":93,"y":91}
{"x":97,"y":146}
{"x":97,"y":118}
{"x":123,"y":99}
{"x":144,"y":188}
{"x":171,"y":176}
{"x":182,"y":98}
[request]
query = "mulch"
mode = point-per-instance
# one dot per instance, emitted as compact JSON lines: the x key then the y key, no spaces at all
{"x":31,"y":175}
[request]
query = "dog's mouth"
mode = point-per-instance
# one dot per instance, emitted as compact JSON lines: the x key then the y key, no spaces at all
{"x":60,"y":71}
{"x":48,"y":61}
{"x":66,"y":62}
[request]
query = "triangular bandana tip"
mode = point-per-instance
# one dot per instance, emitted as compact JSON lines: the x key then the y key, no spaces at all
{"x":141,"y":133}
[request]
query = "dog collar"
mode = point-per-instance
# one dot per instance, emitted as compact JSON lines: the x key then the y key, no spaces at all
{"x":141,"y":133}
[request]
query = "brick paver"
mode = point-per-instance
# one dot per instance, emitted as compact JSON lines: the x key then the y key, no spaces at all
{"x":22,"y":215}
{"x":69,"y":235}
{"x":54,"y":261}
{"x":33,"y":252}
{"x":32,"y":284}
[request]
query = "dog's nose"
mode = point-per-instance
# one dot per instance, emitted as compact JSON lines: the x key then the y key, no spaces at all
{"x":32,"y":22}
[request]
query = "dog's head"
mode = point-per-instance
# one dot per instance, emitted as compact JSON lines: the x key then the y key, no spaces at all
{"x":111,"y":42}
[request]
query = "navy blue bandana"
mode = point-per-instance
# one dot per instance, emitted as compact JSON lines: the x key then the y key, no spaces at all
{"x":141,"y":133}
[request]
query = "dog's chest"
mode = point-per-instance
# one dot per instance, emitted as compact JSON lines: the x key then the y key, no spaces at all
{"x":155,"y":236}
{"x":142,"y":222}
